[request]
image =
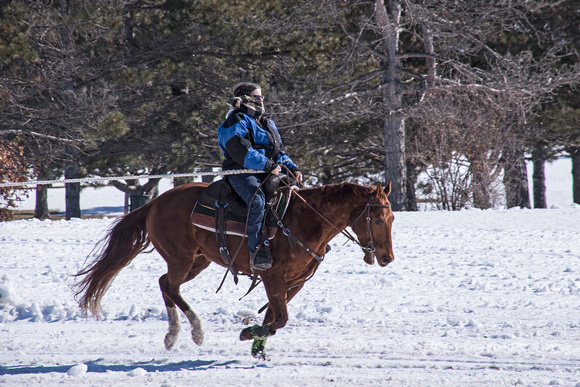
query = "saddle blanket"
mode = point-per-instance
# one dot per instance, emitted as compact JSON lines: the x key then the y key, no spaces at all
{"x":203,"y":216}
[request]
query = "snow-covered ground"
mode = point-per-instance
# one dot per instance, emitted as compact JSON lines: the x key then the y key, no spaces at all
{"x":474,"y":298}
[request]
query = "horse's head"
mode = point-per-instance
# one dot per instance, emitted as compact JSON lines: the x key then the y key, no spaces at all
{"x":373,"y":227}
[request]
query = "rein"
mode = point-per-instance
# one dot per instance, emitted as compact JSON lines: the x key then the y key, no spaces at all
{"x":371,"y":247}
{"x":292,"y":238}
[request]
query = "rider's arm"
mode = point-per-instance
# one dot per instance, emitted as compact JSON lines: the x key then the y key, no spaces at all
{"x":283,"y":158}
{"x":234,"y":140}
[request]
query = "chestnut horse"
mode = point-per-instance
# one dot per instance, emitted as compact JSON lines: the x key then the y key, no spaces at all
{"x":314,"y":217}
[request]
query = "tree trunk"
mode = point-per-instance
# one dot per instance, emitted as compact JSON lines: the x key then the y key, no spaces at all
{"x":575,"y":154}
{"x":137,"y":195}
{"x":481,"y":185}
{"x":41,"y":210}
{"x":73,"y":190}
{"x":515,"y":178}
{"x":126,"y":203}
{"x":394,"y":126}
{"x":395,"y":171}
{"x":539,"y":177}
{"x":412,"y":176}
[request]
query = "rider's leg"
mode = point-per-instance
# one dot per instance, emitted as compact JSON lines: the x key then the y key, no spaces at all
{"x":246,"y":186}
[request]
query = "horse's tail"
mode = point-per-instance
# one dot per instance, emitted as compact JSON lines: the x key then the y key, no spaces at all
{"x":124,"y":241}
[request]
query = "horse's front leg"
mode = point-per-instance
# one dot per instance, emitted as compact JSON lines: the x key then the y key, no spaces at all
{"x":258,"y":347}
{"x":259,"y":333}
{"x":276,"y":316}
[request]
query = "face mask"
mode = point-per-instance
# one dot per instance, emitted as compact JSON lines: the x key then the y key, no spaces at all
{"x":248,"y":105}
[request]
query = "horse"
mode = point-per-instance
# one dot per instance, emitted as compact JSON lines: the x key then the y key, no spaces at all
{"x":313,"y":218}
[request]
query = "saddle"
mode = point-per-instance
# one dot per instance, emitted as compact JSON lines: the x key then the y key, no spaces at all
{"x":221,"y":210}
{"x":220,"y":199}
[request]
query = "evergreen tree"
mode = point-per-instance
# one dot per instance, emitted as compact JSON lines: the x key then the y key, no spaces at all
{"x":55,"y":90}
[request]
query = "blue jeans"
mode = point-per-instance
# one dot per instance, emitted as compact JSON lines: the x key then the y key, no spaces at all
{"x":246,"y":185}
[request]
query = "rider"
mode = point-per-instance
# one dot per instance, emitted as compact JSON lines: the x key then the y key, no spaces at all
{"x":250,"y":140}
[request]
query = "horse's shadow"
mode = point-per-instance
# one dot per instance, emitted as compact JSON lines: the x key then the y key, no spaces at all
{"x":149,"y":366}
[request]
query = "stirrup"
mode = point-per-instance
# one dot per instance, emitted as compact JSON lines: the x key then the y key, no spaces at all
{"x":261,"y":260}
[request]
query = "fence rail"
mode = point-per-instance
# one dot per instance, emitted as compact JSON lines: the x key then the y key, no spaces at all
{"x":128,"y":177}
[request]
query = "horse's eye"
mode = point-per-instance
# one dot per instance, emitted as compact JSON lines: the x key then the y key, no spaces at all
{"x":379,"y":222}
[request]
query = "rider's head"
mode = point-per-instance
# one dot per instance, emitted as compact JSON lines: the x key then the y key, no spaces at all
{"x":251,"y":90}
{"x":245,"y":88}
{"x":250,"y":95}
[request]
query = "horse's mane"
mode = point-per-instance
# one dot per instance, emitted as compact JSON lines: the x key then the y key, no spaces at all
{"x":333,"y":195}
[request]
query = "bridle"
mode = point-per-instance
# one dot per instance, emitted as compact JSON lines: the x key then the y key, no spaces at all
{"x":371,"y":246}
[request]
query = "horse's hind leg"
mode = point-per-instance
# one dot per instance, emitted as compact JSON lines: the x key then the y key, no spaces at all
{"x":172,"y":316}
{"x":169,"y":284}
{"x":201,"y":263}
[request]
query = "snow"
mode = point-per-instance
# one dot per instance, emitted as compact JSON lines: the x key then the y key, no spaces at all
{"x":474,"y":298}
{"x":77,"y":370}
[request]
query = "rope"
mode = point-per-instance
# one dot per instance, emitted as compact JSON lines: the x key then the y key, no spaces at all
{"x":128,"y":177}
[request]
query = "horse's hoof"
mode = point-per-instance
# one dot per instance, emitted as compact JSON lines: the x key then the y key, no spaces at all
{"x":245,"y":334}
{"x":170,"y":340}
{"x":197,"y":339}
{"x":256,"y":332}
{"x":197,"y":336}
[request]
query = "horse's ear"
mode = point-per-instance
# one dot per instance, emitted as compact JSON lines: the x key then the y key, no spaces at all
{"x":379,"y":188}
{"x":388,"y":188}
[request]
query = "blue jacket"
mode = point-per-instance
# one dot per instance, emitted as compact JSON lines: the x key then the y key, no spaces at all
{"x":246,"y":144}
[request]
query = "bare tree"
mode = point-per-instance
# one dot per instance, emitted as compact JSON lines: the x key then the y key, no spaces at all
{"x":419,"y":51}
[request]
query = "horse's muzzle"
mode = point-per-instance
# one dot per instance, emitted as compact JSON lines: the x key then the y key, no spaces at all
{"x":369,"y":258}
{"x":382,"y":261}
{"x":385,"y":260}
